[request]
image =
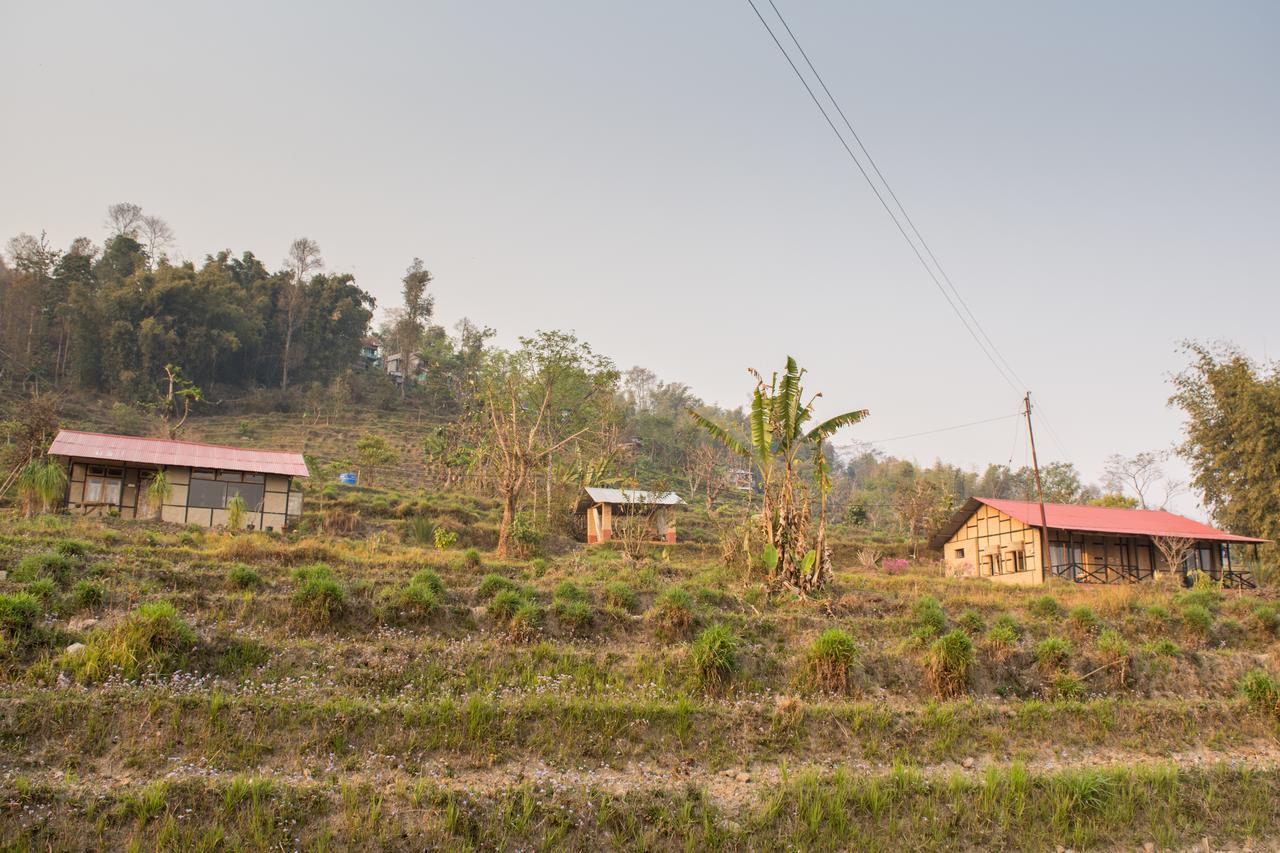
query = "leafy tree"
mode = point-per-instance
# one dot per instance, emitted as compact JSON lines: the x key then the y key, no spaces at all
{"x":550,"y":392}
{"x":1115,"y":500}
{"x":373,"y":451}
{"x":921,"y":506}
{"x":303,"y":259}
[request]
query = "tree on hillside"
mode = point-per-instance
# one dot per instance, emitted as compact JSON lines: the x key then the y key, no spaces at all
{"x":538,"y":399}
{"x":303,"y":259}
{"x":180,"y":394}
{"x":157,"y":236}
{"x":414,"y":314}
{"x":1232,"y":436}
{"x":1143,"y":475}
{"x":921,"y":505}
{"x":124,"y":220}
{"x":779,"y":435}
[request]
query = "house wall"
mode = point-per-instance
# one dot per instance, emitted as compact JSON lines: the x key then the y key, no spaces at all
{"x":992,"y":544}
{"x":281,"y":502}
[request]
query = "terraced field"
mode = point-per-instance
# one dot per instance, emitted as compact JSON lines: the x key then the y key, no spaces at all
{"x":185,"y":689}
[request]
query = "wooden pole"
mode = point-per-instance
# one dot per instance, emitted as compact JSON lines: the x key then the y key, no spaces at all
{"x":1035,"y":464}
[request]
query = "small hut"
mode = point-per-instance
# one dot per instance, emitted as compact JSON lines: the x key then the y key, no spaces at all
{"x":601,"y":506}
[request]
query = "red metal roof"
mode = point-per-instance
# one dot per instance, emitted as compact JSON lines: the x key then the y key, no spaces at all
{"x":160,"y":451}
{"x":1105,"y":519}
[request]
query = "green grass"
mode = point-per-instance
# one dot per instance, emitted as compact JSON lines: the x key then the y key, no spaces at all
{"x":714,"y":656}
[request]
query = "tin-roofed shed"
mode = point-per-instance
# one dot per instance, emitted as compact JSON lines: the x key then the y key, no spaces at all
{"x":601,"y":505}
{"x":114,"y":473}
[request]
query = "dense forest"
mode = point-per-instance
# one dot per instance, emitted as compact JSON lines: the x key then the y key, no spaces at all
{"x":231,"y":333}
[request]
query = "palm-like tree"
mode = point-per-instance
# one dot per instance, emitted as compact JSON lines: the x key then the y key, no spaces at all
{"x":40,"y":483}
{"x":780,"y":433}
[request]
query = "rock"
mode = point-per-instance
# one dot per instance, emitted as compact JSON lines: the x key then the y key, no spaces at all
{"x":82,"y":624}
{"x":743,"y":777}
{"x":63,"y":681}
{"x":75,"y":648}
{"x":968,"y":763}
{"x":1149,"y":847}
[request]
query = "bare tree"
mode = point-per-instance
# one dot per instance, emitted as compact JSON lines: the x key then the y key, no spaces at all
{"x":920,"y":505}
{"x":707,"y":469}
{"x":124,"y":219}
{"x":1144,"y":476}
{"x":157,"y":236}
{"x":1174,"y":550}
{"x":303,"y":259}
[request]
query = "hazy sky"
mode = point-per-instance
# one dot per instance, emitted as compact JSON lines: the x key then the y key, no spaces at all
{"x":1100,"y":180}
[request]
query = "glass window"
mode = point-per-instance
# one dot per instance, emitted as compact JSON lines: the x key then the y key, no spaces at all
{"x":959,"y":553}
{"x":229,"y":476}
{"x":207,"y":493}
{"x":101,"y":490}
{"x":251,"y":492}
{"x":201,"y":474}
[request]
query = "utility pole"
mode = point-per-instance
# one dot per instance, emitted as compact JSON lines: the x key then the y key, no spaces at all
{"x":1035,"y":464}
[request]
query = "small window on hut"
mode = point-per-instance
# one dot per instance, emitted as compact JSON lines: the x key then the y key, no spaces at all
{"x":959,"y":553}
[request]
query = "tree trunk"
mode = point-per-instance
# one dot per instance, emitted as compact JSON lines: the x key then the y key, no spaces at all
{"x":284,"y":362}
{"x":508,"y":515}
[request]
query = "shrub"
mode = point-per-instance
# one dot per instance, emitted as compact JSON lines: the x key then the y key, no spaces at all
{"x":569,"y":591}
{"x":72,"y":549}
{"x":429,"y":578}
{"x":319,"y":598}
{"x":1115,"y":653}
{"x":618,"y":594}
{"x":55,"y":567}
{"x":830,"y":658}
{"x":444,"y":539}
{"x":505,"y":604}
{"x":1001,"y":640}
{"x":1261,"y":691}
{"x":471,"y":558}
{"x":948,"y":663}
{"x":526,"y":623}
{"x":418,"y":598}
{"x":420,"y":531}
{"x":1197,"y":617}
{"x":1165,"y":648}
{"x":1268,"y":617}
{"x":1052,"y":653}
{"x":44,"y":589}
{"x":492,"y":584}
{"x":18,"y":613}
{"x":575,"y":615}
{"x":1084,"y":619}
{"x":715,"y":656}
{"x":672,"y":613}
{"x":88,"y":595}
{"x":971,"y":622}
{"x":243,"y":577}
{"x":1045,"y":606}
{"x":151,"y":638}
{"x":1207,"y":597}
{"x":1066,"y":685}
{"x":1007,"y":625}
{"x":928,"y":618}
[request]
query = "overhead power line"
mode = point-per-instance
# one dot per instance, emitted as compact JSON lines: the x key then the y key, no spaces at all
{"x":933,"y":267}
{"x":941,"y":429}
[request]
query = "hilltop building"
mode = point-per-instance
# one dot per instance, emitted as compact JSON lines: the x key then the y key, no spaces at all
{"x":1002,"y":540}
{"x":602,"y":506}
{"x":113,"y":474}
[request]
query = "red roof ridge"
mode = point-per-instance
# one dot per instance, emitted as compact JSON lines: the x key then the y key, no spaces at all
{"x":178,"y":441}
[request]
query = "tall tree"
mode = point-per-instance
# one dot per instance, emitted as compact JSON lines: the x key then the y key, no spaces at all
{"x":157,"y":236}
{"x":417,"y":308}
{"x":1142,"y":475}
{"x":304,"y":259}
{"x":124,"y":220}
{"x":538,"y":399}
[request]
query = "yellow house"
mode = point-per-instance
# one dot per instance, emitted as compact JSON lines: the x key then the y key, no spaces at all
{"x":1002,"y":540}
{"x":113,"y":474}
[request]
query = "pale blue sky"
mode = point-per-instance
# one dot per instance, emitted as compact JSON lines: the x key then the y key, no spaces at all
{"x":1099,"y":179}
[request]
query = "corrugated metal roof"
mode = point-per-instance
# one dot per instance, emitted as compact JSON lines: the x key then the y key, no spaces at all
{"x":161,"y":451}
{"x":632,"y":496}
{"x":1094,"y":519}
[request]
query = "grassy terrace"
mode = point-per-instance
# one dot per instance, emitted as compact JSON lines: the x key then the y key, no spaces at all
{"x":174,"y":688}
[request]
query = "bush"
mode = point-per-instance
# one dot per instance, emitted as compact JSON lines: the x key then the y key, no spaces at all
{"x":1084,"y":619}
{"x":1268,"y":618}
{"x":505,"y":604}
{"x":492,"y":584}
{"x":971,"y":622}
{"x":1207,"y":597}
{"x":1045,"y":606}
{"x":620,"y":595}
{"x":152,"y":638}
{"x":418,"y":598}
{"x":1007,"y":625}
{"x":55,"y":567}
{"x":1197,"y":617}
{"x":431,"y":579}
{"x":1066,"y":685}
{"x":44,"y":589}
{"x":1261,"y":691}
{"x":715,"y":656}
{"x":319,"y":598}
{"x":928,"y":618}
{"x":419,"y":531}
{"x":18,"y":613}
{"x":830,"y":658}
{"x":444,"y":539}
{"x":672,"y":613}
{"x":568,"y":591}
{"x":88,"y":595}
{"x":471,"y":559}
{"x":526,"y":623}
{"x":1165,"y":648}
{"x":72,"y":549}
{"x":243,"y":577}
{"x":948,"y":663}
{"x":575,"y":615}
{"x":1052,"y":653}
{"x":1001,"y":639}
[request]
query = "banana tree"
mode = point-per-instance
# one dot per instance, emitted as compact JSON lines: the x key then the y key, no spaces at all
{"x":780,"y":433}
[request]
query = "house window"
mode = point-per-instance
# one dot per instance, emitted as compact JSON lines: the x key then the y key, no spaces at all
{"x":959,"y":553}
{"x":102,"y":485}
{"x":213,"y":489}
{"x":207,"y":493}
{"x":1019,"y":561}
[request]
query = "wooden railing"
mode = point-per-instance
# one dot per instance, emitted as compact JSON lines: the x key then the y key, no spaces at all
{"x":1105,"y":573}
